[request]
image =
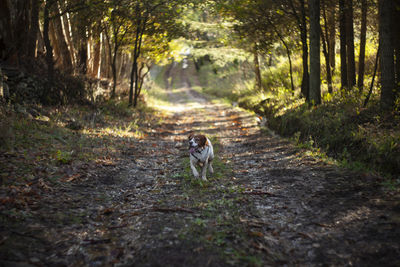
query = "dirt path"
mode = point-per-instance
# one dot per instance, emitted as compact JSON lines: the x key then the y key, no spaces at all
{"x":267,"y":204}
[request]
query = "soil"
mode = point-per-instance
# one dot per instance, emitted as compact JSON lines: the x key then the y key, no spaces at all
{"x":268,"y":203}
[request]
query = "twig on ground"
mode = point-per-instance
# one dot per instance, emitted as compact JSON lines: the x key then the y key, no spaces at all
{"x":161,"y":209}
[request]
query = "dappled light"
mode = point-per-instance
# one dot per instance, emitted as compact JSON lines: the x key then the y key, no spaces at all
{"x":292,"y":108}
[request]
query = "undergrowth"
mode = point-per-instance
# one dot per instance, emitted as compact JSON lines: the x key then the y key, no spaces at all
{"x":365,"y":139}
{"x":360,"y":138}
{"x":39,"y":142}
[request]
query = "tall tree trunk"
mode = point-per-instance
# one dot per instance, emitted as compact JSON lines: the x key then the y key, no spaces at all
{"x":331,"y":24}
{"x":343,"y":42}
{"x":305,"y":83}
{"x":396,"y":35}
{"x":82,"y":53}
{"x":33,"y":30}
{"x":387,"y":54}
{"x":114,"y":70}
{"x":134,"y":70}
{"x":107,"y":54}
{"x":103,"y":66}
{"x":66,"y":22}
{"x":137,"y":89}
{"x":21,"y":27}
{"x":6,"y":31}
{"x":96,"y":52}
{"x":46,"y":39}
{"x":302,"y":24}
{"x":257,"y":68}
{"x":315,"y":66}
{"x":351,"y":65}
{"x":363,"y":34}
{"x":325,"y":48}
{"x":62,"y":53}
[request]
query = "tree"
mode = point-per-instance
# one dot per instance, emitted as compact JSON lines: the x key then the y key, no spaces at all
{"x":257,"y":68}
{"x":331,"y":25}
{"x":116,"y":28}
{"x":363,"y":35}
{"x":262,"y":22}
{"x":46,"y":39}
{"x":387,"y":54}
{"x":326,"y":47}
{"x":299,"y":13}
{"x":58,"y":39}
{"x":18,"y":31}
{"x":315,"y":67}
{"x":343,"y":44}
{"x":149,"y":19}
{"x":6,"y":30}
{"x":351,"y":65}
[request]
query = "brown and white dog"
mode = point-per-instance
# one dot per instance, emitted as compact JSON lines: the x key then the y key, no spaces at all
{"x":201,"y":153}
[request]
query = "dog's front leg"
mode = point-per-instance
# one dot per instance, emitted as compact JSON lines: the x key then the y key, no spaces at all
{"x":194,"y":170}
{"x":204,"y":171}
{"x":210,"y":167}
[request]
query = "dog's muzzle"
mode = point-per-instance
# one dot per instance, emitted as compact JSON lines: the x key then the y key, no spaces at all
{"x":192,"y":149}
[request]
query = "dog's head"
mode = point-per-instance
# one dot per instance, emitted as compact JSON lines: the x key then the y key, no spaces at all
{"x":197,"y":141}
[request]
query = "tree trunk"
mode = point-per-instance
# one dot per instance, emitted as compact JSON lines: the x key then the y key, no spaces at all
{"x":134,"y":70}
{"x":305,"y":83}
{"x":66,"y":22}
{"x":315,"y":67}
{"x":21,"y":27}
{"x":387,"y":54}
{"x":96,"y":53}
{"x":137,"y":89}
{"x":331,"y":24}
{"x":302,"y":24}
{"x":82,"y":53}
{"x":114,"y":70}
{"x":351,"y":65}
{"x":103,"y":66}
{"x":107,"y":54}
{"x":343,"y":42}
{"x":62,"y":53}
{"x":257,"y":68}
{"x":325,"y":49}
{"x":33,"y":30}
{"x":6,"y":31}
{"x":46,"y":39}
{"x":396,"y":35}
{"x":363,"y":34}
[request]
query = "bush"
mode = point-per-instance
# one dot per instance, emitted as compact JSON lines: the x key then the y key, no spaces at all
{"x":357,"y":135}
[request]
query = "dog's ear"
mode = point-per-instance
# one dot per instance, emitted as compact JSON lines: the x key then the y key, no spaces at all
{"x":202,"y":140}
{"x":190,"y":136}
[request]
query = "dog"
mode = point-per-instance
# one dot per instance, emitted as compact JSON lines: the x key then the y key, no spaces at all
{"x":202,"y":154}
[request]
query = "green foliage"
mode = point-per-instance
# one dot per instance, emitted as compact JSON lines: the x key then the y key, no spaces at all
{"x":349,"y":134}
{"x":63,"y":157}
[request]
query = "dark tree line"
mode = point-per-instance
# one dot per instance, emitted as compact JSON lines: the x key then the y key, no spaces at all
{"x":98,"y":39}
{"x":318,"y":26}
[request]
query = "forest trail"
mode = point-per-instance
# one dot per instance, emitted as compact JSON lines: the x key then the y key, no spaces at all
{"x":268,"y":203}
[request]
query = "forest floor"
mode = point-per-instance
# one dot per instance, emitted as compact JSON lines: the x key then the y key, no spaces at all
{"x":268,"y":203}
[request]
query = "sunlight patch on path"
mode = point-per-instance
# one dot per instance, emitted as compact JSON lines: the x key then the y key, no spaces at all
{"x":183,"y":100}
